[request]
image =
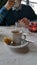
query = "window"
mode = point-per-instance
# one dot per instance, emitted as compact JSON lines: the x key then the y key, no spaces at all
{"x":23,"y":2}
{"x":33,"y":4}
{"x":33,"y":1}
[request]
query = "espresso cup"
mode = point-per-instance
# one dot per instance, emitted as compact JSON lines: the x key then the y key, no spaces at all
{"x":17,"y":36}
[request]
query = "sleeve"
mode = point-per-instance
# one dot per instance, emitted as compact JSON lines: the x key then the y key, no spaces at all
{"x":3,"y":13}
{"x":33,"y":16}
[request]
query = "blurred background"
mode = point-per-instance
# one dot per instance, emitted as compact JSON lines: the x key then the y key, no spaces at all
{"x":32,"y":3}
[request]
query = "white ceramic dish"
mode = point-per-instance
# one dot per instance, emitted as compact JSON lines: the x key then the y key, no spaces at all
{"x":23,"y":44}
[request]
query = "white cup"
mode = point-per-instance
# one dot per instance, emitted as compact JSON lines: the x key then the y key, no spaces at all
{"x":17,"y":36}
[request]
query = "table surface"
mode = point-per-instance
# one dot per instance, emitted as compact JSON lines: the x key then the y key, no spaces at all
{"x":23,"y":56}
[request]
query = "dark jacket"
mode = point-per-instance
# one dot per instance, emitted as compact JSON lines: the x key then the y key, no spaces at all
{"x":8,"y":18}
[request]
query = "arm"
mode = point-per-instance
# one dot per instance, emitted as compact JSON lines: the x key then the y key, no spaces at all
{"x":4,"y":11}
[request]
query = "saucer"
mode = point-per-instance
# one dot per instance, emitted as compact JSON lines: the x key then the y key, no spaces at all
{"x":23,"y":44}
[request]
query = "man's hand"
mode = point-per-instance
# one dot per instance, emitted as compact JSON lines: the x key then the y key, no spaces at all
{"x":24,"y":21}
{"x":9,"y":4}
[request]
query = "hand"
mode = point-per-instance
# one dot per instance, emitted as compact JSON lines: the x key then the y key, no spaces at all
{"x":24,"y":21}
{"x":9,"y":4}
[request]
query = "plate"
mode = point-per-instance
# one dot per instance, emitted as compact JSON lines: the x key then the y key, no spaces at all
{"x":23,"y":44}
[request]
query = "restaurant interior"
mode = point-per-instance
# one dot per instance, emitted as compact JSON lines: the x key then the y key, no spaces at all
{"x":18,"y":32}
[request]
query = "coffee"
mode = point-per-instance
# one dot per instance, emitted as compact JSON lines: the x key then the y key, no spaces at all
{"x":15,"y":31}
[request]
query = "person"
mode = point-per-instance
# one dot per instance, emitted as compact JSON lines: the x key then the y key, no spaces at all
{"x":13,"y":11}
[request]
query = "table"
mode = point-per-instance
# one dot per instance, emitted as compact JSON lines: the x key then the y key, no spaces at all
{"x":27,"y":56}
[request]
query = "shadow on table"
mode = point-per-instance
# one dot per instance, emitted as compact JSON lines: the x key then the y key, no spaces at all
{"x":33,"y":47}
{"x":21,"y":50}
